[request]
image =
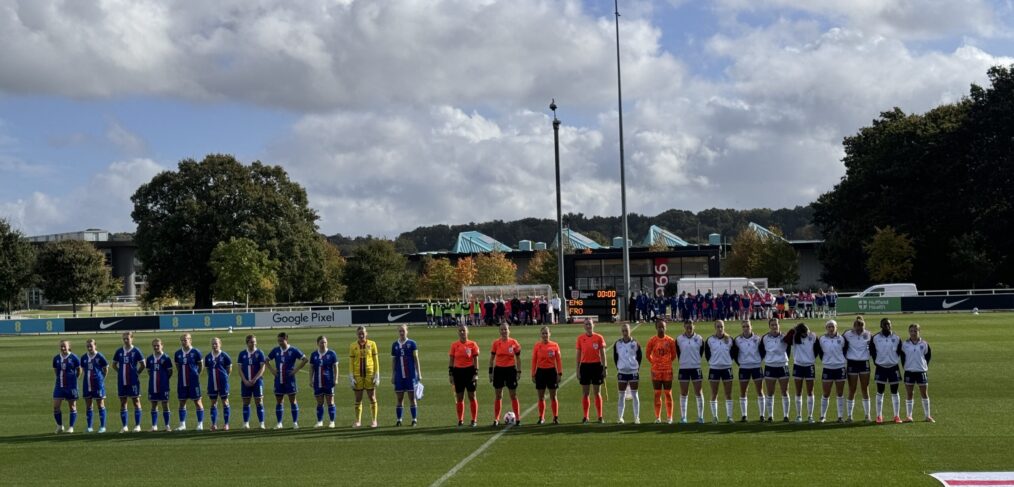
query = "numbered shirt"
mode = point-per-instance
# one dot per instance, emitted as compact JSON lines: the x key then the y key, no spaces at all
{"x":803,"y":352}
{"x":505,"y":352}
{"x":464,"y":354}
{"x":218,"y":369}
{"x":189,"y":364}
{"x":322,"y":368}
{"x":285,"y":362}
{"x":718,"y":351}
{"x":250,"y":363}
{"x":92,"y":366}
{"x":127,"y":361}
{"x":159,"y":369}
{"x":66,"y":370}
{"x":661,"y":353}
{"x":859,"y":345}
{"x":404,"y":359}
{"x":691,"y":349}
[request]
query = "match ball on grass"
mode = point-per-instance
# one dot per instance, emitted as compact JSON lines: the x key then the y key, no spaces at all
{"x":509,"y":418}
{"x":975,"y":310}
{"x":230,"y":329}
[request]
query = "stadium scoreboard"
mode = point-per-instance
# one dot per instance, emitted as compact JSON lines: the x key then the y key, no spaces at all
{"x":600,"y":303}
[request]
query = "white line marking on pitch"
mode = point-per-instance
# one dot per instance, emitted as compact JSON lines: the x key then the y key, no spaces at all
{"x":478,"y":451}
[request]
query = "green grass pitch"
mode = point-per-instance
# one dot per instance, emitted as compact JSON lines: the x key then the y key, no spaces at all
{"x":970,"y":390}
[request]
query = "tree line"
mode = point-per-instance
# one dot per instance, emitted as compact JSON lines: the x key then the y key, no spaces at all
{"x":939,"y":184}
{"x":794,"y":222}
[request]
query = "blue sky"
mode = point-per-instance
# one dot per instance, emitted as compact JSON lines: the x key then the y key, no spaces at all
{"x":397,"y":114}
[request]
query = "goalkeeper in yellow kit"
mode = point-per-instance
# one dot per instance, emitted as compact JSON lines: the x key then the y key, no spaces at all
{"x":364,"y":374}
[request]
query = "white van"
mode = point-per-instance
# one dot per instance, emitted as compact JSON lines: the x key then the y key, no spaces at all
{"x":893,"y":290}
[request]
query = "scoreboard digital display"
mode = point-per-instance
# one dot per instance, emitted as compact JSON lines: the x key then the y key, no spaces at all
{"x":600,"y":303}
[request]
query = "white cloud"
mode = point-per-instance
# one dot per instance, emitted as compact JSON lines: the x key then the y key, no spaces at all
{"x":906,"y":19}
{"x":320,"y":55}
{"x":124,"y":140}
{"x":418,"y":113}
{"x":104,"y":202}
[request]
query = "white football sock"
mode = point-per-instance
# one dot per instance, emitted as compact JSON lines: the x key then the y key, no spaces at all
{"x":728,"y":408}
{"x":866,"y":407}
{"x":700,"y":406}
{"x":809,"y":406}
{"x":880,"y":404}
{"x":620,"y":406}
{"x":744,"y":403}
{"x":851,"y":405}
{"x":926,"y":407}
{"x":785,"y":405}
{"x":908,"y":407}
{"x":637,"y":406}
{"x":823,"y":405}
{"x":799,"y":406}
{"x":896,"y":403}
{"x":683,"y":407}
{"x":841,"y":407}
{"x":714,"y":409}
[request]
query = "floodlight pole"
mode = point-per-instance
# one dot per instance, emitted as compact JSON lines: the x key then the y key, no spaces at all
{"x":623,"y":179}
{"x":559,"y":216}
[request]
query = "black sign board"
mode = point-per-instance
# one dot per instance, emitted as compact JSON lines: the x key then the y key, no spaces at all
{"x":403,"y":315}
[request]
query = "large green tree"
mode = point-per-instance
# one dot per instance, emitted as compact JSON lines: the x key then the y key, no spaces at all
{"x":182,"y":215}
{"x":543,"y":269}
{"x":943,"y":178}
{"x":376,"y":273}
{"x":72,"y":271}
{"x":243,"y":272}
{"x":17,"y":260}
{"x":437,"y":279}
{"x":890,"y":256}
{"x":756,"y":255}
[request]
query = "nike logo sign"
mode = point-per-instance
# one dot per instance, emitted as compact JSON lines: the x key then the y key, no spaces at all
{"x":947,"y":305}
{"x":103,"y":325}
{"x":391,"y":317}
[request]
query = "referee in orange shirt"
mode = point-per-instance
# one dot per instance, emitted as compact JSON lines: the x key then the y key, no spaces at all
{"x":463,"y":369}
{"x":591,"y":367}
{"x":547,"y":373}
{"x":504,"y":371}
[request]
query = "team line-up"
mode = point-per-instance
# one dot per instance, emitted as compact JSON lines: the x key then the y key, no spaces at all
{"x":761,"y":359}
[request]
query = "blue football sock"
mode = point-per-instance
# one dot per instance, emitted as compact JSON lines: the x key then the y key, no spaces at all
{"x":123,"y":417}
{"x":58,"y":416}
{"x":137,"y":416}
{"x":89,"y":417}
{"x":413,"y":409}
{"x":214,"y":414}
{"x":154,"y":417}
{"x":320,"y":413}
{"x":331,"y":412}
{"x":183,"y":415}
{"x":246,"y":413}
{"x":73,"y":417}
{"x":295,"y":413}
{"x":226,"y":413}
{"x":260,"y":413}
{"x":102,"y":417}
{"x":166,"y":415}
{"x":200,"y":416}
{"x":279,"y":411}
{"x":398,"y":411}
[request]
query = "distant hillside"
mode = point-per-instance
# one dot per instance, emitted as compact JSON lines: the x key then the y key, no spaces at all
{"x":794,"y":222}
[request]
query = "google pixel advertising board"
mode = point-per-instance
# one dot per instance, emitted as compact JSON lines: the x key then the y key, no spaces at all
{"x":600,"y":303}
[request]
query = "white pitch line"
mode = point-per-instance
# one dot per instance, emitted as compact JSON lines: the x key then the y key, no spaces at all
{"x":478,"y":451}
